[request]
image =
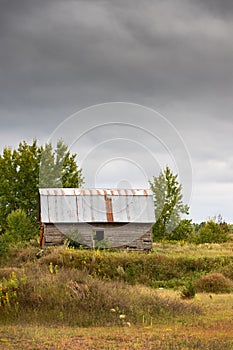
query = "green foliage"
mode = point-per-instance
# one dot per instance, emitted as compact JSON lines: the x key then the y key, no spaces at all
{"x":73,"y":239}
{"x":135,"y":268}
{"x":211,"y":232}
{"x":214,"y":283}
{"x":182,"y":232}
{"x":19,"y":171}
{"x":19,"y":226}
{"x":5,"y":242}
{"x":22,"y":170}
{"x":103,"y":244}
{"x":188,"y":291}
{"x":58,"y":167}
{"x":19,"y":229}
{"x":169,"y":204}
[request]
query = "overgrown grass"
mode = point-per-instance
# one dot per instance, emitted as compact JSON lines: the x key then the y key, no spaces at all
{"x":66,"y":288}
{"x":167,"y":270}
{"x":69,"y":296}
{"x":152,"y":269}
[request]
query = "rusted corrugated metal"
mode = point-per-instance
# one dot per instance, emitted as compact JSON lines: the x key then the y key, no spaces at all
{"x":93,"y":192}
{"x":70,"y":205}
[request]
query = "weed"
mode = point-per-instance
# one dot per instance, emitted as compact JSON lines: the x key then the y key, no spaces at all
{"x":9,"y":293}
{"x":52,"y":268}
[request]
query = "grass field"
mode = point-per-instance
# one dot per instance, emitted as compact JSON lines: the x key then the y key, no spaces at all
{"x":60,"y":302}
{"x":212,"y":330}
{"x":181,"y":249}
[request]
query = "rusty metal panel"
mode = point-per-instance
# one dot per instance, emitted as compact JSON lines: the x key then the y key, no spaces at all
{"x":62,"y":209}
{"x":68,"y":205}
{"x":89,"y":192}
{"x":119,"y":209}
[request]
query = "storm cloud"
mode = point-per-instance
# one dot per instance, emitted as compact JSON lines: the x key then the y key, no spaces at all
{"x":175,"y":56}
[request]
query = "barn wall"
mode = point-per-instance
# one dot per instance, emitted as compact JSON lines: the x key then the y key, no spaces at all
{"x":133,"y":235}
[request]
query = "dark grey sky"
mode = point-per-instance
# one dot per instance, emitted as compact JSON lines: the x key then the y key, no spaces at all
{"x":175,"y":56}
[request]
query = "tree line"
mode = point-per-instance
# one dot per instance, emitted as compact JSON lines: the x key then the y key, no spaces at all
{"x":30,"y":166}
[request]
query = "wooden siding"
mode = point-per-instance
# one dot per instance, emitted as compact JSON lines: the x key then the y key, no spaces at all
{"x":136,"y":236}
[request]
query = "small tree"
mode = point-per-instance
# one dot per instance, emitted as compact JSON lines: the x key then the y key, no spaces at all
{"x":19,"y":227}
{"x":169,"y":204}
{"x":19,"y":230}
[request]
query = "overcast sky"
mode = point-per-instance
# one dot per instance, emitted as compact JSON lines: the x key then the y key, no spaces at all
{"x":176,"y":57}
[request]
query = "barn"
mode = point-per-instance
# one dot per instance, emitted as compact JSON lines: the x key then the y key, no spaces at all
{"x":97,"y":217}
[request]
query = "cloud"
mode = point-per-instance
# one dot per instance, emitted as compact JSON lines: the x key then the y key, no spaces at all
{"x":176,"y":56}
{"x":158,"y":49}
{"x":222,"y":8}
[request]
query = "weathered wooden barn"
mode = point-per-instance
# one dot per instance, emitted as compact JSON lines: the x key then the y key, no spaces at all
{"x":112,"y":217}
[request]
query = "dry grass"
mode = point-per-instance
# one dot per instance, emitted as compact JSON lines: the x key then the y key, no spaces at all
{"x":210,"y":331}
{"x":191,"y":250}
{"x":72,"y":297}
{"x":55,"y":302}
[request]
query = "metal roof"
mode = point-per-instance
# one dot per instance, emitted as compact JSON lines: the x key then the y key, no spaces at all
{"x":93,"y":192}
{"x":72,"y":205}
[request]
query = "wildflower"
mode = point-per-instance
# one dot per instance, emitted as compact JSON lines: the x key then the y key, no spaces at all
{"x":7,"y":299}
{"x":121,"y":316}
{"x":128,"y":324}
{"x":51,"y":267}
{"x":112,"y":310}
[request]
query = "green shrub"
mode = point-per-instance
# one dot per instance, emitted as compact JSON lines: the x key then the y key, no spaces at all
{"x":19,"y":226}
{"x":19,"y":230}
{"x":188,"y":291}
{"x":214,"y":283}
{"x":182,"y":232}
{"x":212,"y":232}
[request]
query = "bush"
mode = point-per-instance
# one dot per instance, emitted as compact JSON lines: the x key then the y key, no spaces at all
{"x":182,"y":232}
{"x":19,"y":230}
{"x":19,"y":226}
{"x":214,"y":283}
{"x":188,"y":291}
{"x":212,"y":232}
